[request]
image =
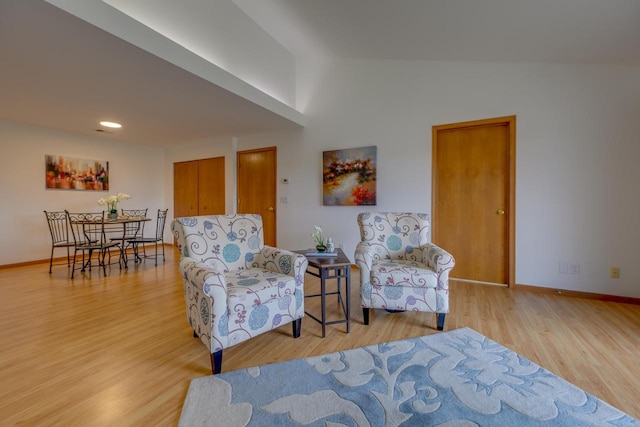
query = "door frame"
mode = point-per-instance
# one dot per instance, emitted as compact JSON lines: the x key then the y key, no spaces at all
{"x":510,"y":122}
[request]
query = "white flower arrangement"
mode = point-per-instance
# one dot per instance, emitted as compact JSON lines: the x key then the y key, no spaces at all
{"x":111,"y":202}
{"x":317,"y":236}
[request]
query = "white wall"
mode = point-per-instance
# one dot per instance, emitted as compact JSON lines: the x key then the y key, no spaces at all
{"x":134,"y":169}
{"x":225,"y":36}
{"x":577,"y":147}
{"x":577,"y":128}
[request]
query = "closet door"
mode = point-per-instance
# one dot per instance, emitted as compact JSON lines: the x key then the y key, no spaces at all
{"x":185,"y":189}
{"x":198,"y":187}
{"x":211,"y":186}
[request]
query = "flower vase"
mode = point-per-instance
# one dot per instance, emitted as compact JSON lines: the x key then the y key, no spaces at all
{"x":321,"y":248}
{"x":113,"y":214}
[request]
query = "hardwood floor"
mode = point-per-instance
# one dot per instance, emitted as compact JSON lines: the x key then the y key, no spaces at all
{"x":118,"y":350}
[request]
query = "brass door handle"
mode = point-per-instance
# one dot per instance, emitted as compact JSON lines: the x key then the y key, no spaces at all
{"x":500,"y":212}
{"x":270,"y":209}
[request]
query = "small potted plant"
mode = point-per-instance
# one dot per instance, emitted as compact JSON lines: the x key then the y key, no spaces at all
{"x":112,"y":203}
{"x":318,"y":239}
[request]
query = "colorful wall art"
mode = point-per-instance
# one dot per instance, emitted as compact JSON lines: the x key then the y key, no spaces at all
{"x":349,"y":177}
{"x":67,"y":173}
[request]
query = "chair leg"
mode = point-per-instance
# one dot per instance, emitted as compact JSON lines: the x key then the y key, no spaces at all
{"x":297,"y":327}
{"x":84,"y":264}
{"x":104,"y":266}
{"x":195,"y":335}
{"x":136,"y":253}
{"x":73,"y":267}
{"x":51,"y":260}
{"x":440,"y":321}
{"x":365,"y":314}
{"x":216,"y":362}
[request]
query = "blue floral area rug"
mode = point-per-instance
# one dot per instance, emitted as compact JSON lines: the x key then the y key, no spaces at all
{"x":456,"y":378}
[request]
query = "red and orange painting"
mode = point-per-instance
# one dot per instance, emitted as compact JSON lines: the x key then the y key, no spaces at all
{"x":349,"y":177}
{"x":68,"y":173}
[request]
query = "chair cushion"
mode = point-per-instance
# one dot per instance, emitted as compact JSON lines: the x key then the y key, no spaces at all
{"x":403,"y":273}
{"x":253,"y":287}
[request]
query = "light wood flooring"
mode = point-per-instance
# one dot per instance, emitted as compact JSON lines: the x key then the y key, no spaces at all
{"x":118,"y":351}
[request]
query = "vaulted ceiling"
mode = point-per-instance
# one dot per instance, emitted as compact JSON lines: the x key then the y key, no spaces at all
{"x":61,"y":72}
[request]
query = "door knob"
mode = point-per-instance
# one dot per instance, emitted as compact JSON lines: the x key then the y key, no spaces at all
{"x":270,"y":209}
{"x":500,"y":212}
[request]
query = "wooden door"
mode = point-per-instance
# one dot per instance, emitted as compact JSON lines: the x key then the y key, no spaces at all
{"x":257,"y":188}
{"x":211,"y":190}
{"x":474,"y":198}
{"x":199,"y":187}
{"x":185,"y":189}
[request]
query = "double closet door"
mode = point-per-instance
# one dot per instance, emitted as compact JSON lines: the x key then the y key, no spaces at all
{"x":199,"y":187}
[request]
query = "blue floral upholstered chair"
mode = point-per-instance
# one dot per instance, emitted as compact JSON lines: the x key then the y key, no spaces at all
{"x":235,"y":287}
{"x":400,"y":270}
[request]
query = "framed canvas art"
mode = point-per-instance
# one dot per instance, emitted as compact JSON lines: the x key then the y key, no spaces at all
{"x":68,"y":173}
{"x":349,"y":177}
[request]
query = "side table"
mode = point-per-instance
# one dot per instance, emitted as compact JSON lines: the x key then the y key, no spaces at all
{"x":330,"y":267}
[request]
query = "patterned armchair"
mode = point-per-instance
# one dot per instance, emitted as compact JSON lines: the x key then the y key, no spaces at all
{"x":400,"y":270}
{"x":235,"y":287}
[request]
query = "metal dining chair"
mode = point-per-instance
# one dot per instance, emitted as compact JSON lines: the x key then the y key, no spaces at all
{"x":59,"y":229}
{"x":131,"y":230}
{"x":87,"y":229}
{"x":157,"y":239}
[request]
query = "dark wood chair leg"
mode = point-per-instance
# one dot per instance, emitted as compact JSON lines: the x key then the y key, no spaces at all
{"x":216,"y":362}
{"x":440,"y":321}
{"x":365,"y":314}
{"x":297,"y":327}
{"x":195,"y":335}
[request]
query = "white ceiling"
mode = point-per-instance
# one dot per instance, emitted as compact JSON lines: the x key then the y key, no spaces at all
{"x":61,"y":72}
{"x":565,"y":31}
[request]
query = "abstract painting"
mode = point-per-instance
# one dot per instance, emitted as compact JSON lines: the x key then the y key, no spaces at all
{"x":349,"y":177}
{"x":67,"y":173}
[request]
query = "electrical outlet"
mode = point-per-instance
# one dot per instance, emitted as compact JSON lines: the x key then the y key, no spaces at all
{"x":574,"y":268}
{"x":614,"y":272}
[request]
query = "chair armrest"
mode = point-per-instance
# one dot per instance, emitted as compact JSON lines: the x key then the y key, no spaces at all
{"x":440,"y":261}
{"x":211,"y":281}
{"x":283,"y":262}
{"x":205,"y":292}
{"x":364,"y":257}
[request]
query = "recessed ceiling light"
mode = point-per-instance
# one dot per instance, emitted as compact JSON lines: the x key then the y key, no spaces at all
{"x":111,"y":125}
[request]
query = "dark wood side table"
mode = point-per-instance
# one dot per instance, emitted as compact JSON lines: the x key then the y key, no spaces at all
{"x":330,"y":267}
